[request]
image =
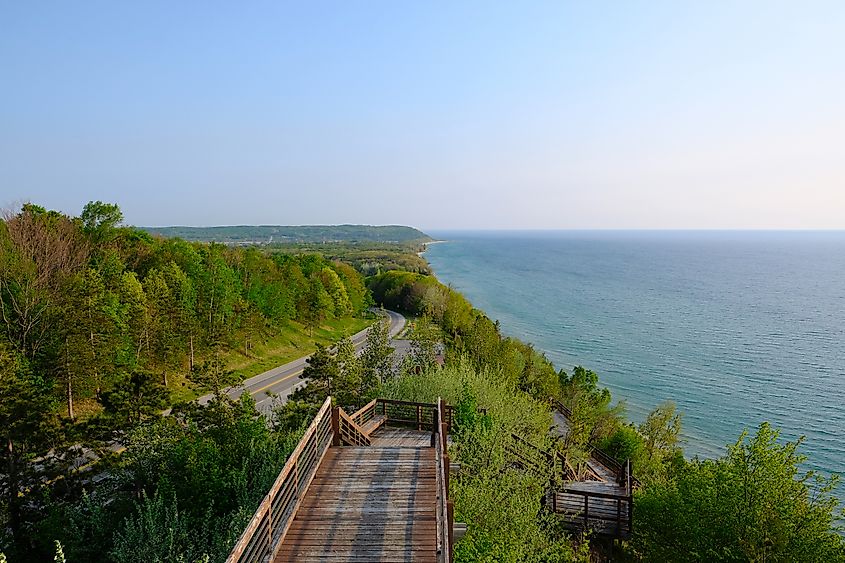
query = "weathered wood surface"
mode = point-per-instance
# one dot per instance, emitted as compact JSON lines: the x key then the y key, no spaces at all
{"x":373,"y":424}
{"x":597,"y":487}
{"x":393,"y":437}
{"x":369,"y":504}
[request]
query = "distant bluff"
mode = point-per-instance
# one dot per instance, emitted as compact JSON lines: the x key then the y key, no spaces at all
{"x":278,"y":234}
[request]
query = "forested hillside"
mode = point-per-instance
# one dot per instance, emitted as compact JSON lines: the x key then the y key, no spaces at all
{"x":86,"y":302}
{"x":104,"y":326}
{"x":267,"y":234}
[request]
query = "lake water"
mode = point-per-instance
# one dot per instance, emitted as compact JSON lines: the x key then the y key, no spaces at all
{"x":735,"y":327}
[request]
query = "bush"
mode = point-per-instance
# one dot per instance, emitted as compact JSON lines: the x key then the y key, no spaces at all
{"x":751,"y":505}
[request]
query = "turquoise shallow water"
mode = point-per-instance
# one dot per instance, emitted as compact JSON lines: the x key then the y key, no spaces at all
{"x":735,"y":327}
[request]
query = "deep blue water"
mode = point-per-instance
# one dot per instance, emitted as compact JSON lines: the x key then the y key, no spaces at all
{"x":735,"y":327}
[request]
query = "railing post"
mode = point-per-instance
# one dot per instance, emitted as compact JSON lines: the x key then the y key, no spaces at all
{"x":450,"y":519}
{"x":586,"y":512}
{"x":269,"y":508}
{"x":419,"y":413}
{"x":446,"y":468}
{"x":618,"y":517}
{"x":336,"y":426}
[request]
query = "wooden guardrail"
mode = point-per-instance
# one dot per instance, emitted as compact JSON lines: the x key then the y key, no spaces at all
{"x":445,"y":507}
{"x":602,"y":512}
{"x":347,"y":431}
{"x":365,"y":414}
{"x":268,"y":526}
{"x":530,"y":457}
{"x":412,"y":414}
{"x":622,"y":471}
{"x":543,"y":463}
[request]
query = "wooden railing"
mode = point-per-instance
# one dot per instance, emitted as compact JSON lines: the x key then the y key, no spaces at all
{"x":530,"y":457}
{"x":445,"y":507}
{"x":271,"y":521}
{"x":547,"y":464}
{"x":622,"y":471}
{"x":604,"y":513}
{"x":414,"y":415}
{"x":365,"y":414}
{"x":346,"y":431}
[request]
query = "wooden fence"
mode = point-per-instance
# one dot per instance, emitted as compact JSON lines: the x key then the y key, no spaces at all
{"x":445,"y":507}
{"x":622,"y":471}
{"x":604,"y":513}
{"x":268,"y":526}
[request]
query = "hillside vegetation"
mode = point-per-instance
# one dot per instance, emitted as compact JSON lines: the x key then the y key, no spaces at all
{"x":103,"y":326}
{"x":267,"y":234}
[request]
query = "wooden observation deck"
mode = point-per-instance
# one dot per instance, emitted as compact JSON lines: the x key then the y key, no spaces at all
{"x":367,"y":487}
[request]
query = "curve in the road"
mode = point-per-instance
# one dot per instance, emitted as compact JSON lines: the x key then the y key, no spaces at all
{"x":280,"y":382}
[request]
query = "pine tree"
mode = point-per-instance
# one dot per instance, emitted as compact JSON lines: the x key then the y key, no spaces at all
{"x":377,"y":356}
{"x":320,"y":375}
{"x":347,"y":385}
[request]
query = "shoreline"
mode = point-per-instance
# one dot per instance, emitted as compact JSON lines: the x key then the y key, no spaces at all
{"x":425,"y":248}
{"x":701,"y":447}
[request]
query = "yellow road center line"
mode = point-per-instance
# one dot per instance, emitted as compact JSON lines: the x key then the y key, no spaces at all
{"x":285,"y":378}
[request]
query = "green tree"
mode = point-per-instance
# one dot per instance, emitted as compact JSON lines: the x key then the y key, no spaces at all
{"x":98,"y":217}
{"x":754,"y":504}
{"x":320,"y":375}
{"x":212,"y":374}
{"x":135,"y":397}
{"x":336,"y":291}
{"x":170,"y":301}
{"x":592,"y":418}
{"x":318,"y":304}
{"x":377,"y":356}
{"x":134,"y":314}
{"x":90,"y":325}
{"x":217,"y":293}
{"x":28,"y":428}
{"x":348,"y":384}
{"x":424,"y":338}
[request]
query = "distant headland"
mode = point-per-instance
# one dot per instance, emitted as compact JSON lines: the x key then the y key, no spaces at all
{"x":278,"y":234}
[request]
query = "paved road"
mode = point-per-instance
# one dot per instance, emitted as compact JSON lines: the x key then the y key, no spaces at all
{"x":284,"y":380}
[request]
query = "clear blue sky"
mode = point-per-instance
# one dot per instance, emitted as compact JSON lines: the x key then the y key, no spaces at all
{"x":433,"y":114}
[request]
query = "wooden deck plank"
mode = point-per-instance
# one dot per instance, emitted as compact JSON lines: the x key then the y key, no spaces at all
{"x":369,"y":504}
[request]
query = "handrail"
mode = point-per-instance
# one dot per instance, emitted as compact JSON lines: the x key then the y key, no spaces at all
{"x":530,"y":457}
{"x":596,"y":494}
{"x":347,"y":430}
{"x":622,"y":518}
{"x":445,"y":508}
{"x":622,"y":471}
{"x":411,"y":414}
{"x":265,"y":532}
{"x":365,"y":413}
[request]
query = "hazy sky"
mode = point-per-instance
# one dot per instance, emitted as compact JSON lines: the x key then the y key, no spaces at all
{"x":432,"y":114}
